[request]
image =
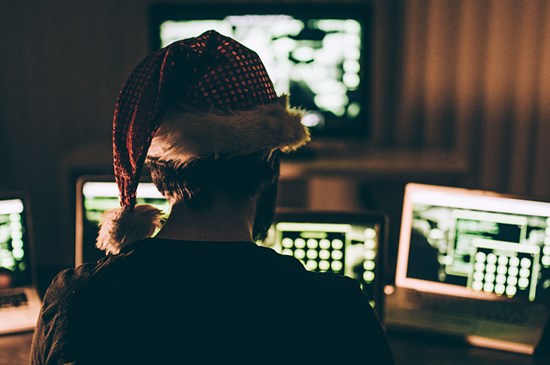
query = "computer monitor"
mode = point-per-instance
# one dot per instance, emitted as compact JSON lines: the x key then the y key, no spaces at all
{"x":473,"y":264}
{"x":15,"y":248}
{"x":474,"y":243}
{"x":19,"y":297}
{"x":95,"y":195}
{"x":344,"y":243}
{"x":317,"y":53}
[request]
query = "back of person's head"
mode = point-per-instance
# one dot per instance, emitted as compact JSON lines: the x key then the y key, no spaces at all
{"x":204,"y":114}
{"x":196,"y":183}
{"x":202,"y":182}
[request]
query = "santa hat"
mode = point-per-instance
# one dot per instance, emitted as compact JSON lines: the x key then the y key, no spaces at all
{"x":213,"y":96}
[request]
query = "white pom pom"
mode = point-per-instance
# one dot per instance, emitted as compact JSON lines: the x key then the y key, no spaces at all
{"x":120,"y":227}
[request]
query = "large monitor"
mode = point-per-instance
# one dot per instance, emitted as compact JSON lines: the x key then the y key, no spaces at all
{"x":319,"y":54}
{"x":19,"y":298}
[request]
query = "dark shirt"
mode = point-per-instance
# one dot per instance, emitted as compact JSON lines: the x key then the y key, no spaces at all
{"x":181,"y":302}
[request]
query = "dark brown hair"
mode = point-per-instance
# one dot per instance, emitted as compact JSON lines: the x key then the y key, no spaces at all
{"x":238,"y":178}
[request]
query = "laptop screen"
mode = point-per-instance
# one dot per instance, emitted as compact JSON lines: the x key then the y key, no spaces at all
{"x":95,"y":195}
{"x":15,"y":266}
{"x":474,"y":243}
{"x":344,"y":243}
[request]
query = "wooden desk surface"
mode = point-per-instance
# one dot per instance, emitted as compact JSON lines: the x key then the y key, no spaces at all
{"x":407,"y":348}
{"x":15,"y":349}
{"x":426,"y":349}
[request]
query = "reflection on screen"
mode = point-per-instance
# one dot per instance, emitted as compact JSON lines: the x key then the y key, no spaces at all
{"x":317,"y":61}
{"x":339,"y":248}
{"x":501,"y":253}
{"x":14,"y":265}
{"x":97,"y":197}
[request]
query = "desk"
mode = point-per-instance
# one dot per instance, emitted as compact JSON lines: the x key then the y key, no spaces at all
{"x":426,"y":349}
{"x":15,"y":349}
{"x":407,"y":348}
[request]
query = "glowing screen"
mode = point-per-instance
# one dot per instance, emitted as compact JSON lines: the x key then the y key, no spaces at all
{"x":318,"y":61}
{"x":491,"y":251}
{"x":14,"y":258}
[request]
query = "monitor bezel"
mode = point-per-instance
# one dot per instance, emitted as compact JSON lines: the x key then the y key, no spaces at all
{"x":362,"y":12}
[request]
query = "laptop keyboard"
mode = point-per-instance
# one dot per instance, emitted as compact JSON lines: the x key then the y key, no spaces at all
{"x":13,"y":298}
{"x":506,"y":312}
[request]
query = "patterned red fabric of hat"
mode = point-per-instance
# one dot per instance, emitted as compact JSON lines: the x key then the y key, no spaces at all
{"x":207,"y":72}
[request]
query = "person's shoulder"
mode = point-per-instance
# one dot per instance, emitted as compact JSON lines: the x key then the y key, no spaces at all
{"x":337,"y":288}
{"x":336,"y":281}
{"x":284,"y":262}
{"x":332,"y":287}
{"x":365,"y":339}
{"x":68,"y":280}
{"x":327,"y":280}
{"x":345,"y":308}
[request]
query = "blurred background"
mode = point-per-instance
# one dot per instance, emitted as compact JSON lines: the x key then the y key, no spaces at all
{"x":458,"y":95}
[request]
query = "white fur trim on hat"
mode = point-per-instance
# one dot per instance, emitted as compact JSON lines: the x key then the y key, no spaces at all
{"x":120,"y":227}
{"x":185,"y":136}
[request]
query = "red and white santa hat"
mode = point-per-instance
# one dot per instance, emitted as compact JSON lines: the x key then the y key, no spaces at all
{"x":226,"y":104}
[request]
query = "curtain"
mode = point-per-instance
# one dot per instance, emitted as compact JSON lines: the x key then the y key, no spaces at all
{"x":468,"y":76}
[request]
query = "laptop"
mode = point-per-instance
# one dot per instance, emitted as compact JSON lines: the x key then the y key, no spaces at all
{"x":344,"y":243}
{"x":475,"y":264}
{"x":95,"y":195}
{"x":19,"y":299}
